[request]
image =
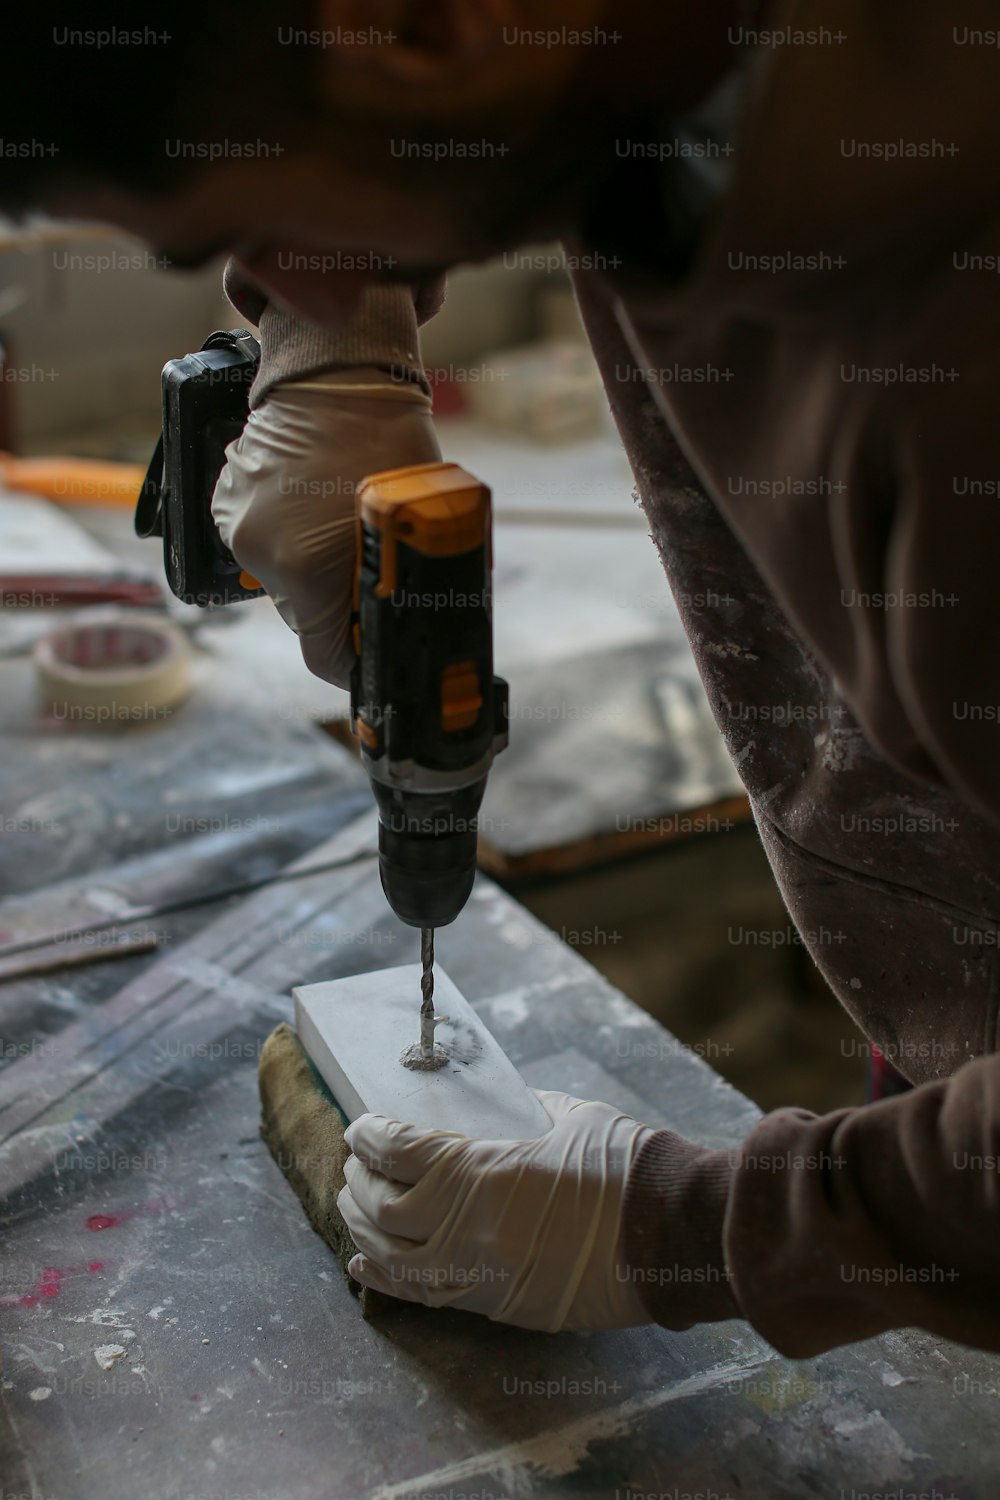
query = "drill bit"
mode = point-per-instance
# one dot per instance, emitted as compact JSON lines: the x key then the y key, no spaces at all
{"x":427,"y":993}
{"x":425,"y":1056}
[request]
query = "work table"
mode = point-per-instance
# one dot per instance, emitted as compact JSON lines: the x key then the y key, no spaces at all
{"x":172,"y":1326}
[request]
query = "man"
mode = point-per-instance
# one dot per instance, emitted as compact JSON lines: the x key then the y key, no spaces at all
{"x":782,"y":217}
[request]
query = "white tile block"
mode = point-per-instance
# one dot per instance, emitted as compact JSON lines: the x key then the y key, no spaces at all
{"x":356,"y":1029}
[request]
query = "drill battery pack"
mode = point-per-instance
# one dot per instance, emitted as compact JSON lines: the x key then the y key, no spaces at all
{"x":205,"y":398}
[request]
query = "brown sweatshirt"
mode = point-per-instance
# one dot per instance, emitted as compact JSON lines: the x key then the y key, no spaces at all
{"x":808,"y":400}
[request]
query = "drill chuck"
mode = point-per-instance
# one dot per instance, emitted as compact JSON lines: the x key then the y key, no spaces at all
{"x":427,"y":851}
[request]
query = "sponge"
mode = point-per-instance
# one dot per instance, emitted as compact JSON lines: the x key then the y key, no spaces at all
{"x":304,"y":1131}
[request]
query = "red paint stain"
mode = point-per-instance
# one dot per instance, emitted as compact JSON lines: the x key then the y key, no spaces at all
{"x":49,"y":1284}
{"x":102,"y":1221}
{"x":98,"y":1222}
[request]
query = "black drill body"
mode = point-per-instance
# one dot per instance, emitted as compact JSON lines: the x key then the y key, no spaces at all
{"x":429,"y":711}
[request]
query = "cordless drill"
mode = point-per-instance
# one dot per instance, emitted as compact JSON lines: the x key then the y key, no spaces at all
{"x":428,"y":711}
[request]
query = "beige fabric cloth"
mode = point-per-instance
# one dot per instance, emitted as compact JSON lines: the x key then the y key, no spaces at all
{"x":304,"y":1132}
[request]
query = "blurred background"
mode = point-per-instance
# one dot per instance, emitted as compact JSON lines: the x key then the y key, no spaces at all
{"x":615,"y":815}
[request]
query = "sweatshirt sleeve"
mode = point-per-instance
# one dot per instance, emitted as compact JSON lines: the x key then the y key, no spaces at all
{"x":383,"y":334}
{"x":834,"y":1228}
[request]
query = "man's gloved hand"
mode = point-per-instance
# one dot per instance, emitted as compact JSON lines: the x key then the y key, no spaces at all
{"x":285,"y":500}
{"x":525,"y":1232}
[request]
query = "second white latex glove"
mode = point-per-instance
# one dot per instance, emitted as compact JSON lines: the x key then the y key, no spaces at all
{"x":285,"y":500}
{"x":524,"y":1232}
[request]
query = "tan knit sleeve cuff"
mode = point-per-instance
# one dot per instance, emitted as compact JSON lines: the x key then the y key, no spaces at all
{"x":381,"y":336}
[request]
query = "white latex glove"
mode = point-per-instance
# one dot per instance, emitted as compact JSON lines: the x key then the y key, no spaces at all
{"x":285,"y":500}
{"x":525,"y":1232}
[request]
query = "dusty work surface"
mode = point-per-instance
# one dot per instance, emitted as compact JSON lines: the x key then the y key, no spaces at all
{"x":172,"y":1327}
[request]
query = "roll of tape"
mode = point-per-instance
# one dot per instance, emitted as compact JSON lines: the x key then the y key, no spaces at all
{"x":113,"y":667}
